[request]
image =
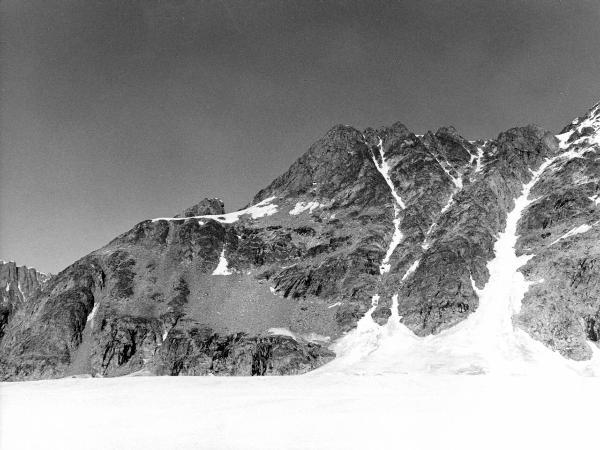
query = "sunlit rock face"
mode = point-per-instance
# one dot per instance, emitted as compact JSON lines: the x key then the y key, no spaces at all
{"x":380,"y":221}
{"x":17,"y":285}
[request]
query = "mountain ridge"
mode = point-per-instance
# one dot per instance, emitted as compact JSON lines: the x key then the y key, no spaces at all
{"x":382,"y":222}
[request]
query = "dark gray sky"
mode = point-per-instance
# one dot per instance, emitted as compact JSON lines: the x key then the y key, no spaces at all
{"x":116,"y":111}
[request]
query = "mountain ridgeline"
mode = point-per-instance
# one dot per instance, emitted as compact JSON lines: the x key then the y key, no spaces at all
{"x":360,"y":219}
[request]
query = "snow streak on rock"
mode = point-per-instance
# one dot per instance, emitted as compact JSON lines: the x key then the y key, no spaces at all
{"x":578,"y":230}
{"x":304,"y":206}
{"x":92,"y":314}
{"x":458,"y":187}
{"x":384,"y":169}
{"x":479,"y":165}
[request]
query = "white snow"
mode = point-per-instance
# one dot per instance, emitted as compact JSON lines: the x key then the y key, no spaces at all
{"x":411,"y":269}
{"x":318,"y":338}
{"x":300,"y":412}
{"x":397,"y":237}
{"x":334,"y":305}
{"x":595,"y":199}
{"x":262,"y":209}
{"x":305,"y":206}
{"x":384,"y":169}
{"x":310,"y":337}
{"x":165,"y":334}
{"x":563,"y":138}
{"x":479,"y":165}
{"x":92,"y":314}
{"x":592,"y":120}
{"x":577,"y":230}
{"x":273,"y":290}
{"x":222,"y":268}
{"x":8,"y":286}
{"x":282,"y":332}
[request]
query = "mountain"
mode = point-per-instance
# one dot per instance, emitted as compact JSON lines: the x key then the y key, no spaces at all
{"x":17,"y":286}
{"x":377,"y":250}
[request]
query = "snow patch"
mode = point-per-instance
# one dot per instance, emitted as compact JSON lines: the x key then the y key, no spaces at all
{"x":222,"y":268}
{"x":262,"y":209}
{"x":316,"y":338}
{"x":282,"y":332}
{"x":334,"y":305}
{"x":310,"y":337}
{"x":305,"y":206}
{"x":479,"y":165}
{"x":92,"y":314}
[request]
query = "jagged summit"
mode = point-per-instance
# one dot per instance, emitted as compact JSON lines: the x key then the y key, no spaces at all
{"x":207,"y":206}
{"x":17,"y":285}
{"x":582,"y":131}
{"x":381,"y":241}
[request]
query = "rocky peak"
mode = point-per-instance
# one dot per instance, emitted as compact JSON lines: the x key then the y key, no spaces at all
{"x":22,"y":278}
{"x":332,"y":164}
{"x":17,"y":285}
{"x":583,"y":130}
{"x":208,"y":206}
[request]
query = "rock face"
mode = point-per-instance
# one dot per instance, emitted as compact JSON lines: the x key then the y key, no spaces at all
{"x":266,"y":290}
{"x":17,"y":285}
{"x":562,"y":230}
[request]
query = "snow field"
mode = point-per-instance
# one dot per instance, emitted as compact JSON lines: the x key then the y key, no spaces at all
{"x":261,"y":209}
{"x":326,"y":412}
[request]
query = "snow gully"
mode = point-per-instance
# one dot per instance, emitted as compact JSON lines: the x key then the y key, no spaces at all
{"x":397,"y":237}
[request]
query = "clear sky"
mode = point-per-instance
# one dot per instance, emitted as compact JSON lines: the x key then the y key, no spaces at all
{"x":112,"y":112}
